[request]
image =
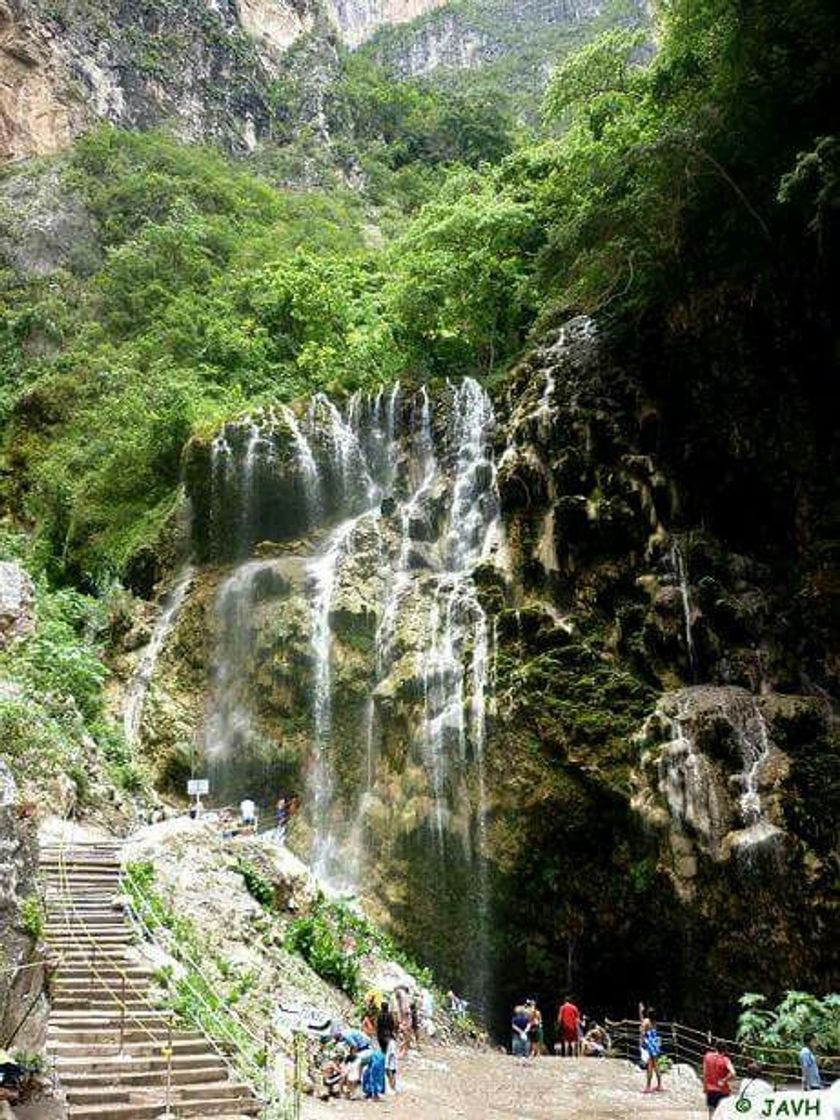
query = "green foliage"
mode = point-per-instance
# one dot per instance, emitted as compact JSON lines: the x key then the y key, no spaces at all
{"x":459,"y":288}
{"x":777,"y":1034}
{"x":319,"y":940}
{"x":257,"y":885}
{"x":194,"y":995}
{"x":61,"y":658}
{"x":32,"y":917}
{"x":331,"y":938}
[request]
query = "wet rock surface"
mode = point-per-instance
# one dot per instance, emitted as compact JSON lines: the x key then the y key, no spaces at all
{"x":568,"y":705}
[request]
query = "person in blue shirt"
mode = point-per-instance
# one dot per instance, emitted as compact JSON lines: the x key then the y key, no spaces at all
{"x":361,"y":1053}
{"x":651,"y":1052}
{"x":811,"y":1078}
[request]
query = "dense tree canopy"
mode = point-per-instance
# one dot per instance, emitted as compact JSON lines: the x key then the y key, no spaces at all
{"x":209,"y":288}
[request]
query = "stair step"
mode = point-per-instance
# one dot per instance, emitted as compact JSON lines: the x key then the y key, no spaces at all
{"x":218,"y":1109}
{"x":67,"y":1020}
{"x":99,"y":982}
{"x":121,"y":937}
{"x":133,"y":1048}
{"x":118,"y":1066}
{"x":102,"y":1035}
{"x":123,"y":1094}
{"x":141,"y":1078}
{"x":77,"y":975}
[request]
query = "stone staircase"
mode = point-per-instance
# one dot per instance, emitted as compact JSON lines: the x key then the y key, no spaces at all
{"x":114,"y":1066}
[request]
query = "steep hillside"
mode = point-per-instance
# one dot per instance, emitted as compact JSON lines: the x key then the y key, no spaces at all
{"x":244,"y":72}
{"x":502,"y":44}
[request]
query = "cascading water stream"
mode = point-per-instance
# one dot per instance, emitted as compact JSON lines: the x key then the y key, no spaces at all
{"x":411,"y":507}
{"x":306,"y":461}
{"x":323,"y":572}
{"x":679,"y":566}
{"x":138,"y":688}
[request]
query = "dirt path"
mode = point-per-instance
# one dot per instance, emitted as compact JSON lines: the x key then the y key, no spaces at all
{"x":449,"y":1083}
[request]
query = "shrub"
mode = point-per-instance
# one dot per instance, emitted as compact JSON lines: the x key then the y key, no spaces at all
{"x":32,"y":917}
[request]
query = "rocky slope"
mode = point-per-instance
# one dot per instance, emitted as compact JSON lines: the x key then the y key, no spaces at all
{"x":22,"y":975}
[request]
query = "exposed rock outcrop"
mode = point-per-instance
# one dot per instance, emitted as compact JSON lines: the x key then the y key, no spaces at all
{"x":359,"y":19}
{"x":17,"y":603}
{"x":23,"y":1005}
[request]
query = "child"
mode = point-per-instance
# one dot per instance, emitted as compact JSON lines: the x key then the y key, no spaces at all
{"x":391,"y":1064}
{"x":652,"y":1047}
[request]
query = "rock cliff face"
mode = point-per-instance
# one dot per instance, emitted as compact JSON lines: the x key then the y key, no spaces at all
{"x":206,"y":68}
{"x":514,"y":45}
{"x":359,"y":19}
{"x":473,"y":634}
{"x":230,"y":72}
{"x":210,"y":70}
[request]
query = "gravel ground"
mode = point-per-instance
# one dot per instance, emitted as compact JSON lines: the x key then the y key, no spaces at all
{"x":486,"y":1086}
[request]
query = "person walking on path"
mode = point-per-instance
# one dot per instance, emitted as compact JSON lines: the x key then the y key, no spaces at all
{"x":281,"y":819}
{"x":568,"y":1025}
{"x":535,"y":1030}
{"x":651,"y":1051}
{"x":521,"y":1021}
{"x":718,"y":1073}
{"x":811,"y":1077}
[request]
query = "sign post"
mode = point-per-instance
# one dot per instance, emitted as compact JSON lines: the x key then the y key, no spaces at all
{"x":197,"y":788}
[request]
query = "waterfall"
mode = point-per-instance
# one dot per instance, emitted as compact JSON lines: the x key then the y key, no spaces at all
{"x":323,"y":572}
{"x":720,"y":803}
{"x":687,"y":782}
{"x":409,"y":507}
{"x":679,"y":566}
{"x":138,"y":687}
{"x":229,"y":727}
{"x":306,"y":462}
{"x":751,"y":731}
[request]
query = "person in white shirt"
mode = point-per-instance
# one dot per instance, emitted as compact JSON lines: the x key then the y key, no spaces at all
{"x":248,"y":813}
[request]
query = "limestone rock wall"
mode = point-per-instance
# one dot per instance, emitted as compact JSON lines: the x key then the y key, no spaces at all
{"x":206,"y":68}
{"x":661,"y":765}
{"x":359,"y":19}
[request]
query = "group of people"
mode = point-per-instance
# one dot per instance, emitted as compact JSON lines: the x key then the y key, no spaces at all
{"x":573,"y":1037}
{"x":367,"y":1058}
{"x":287,"y":806}
{"x":719,"y":1073}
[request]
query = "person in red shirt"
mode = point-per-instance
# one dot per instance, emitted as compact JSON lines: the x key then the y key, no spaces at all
{"x":717,"y":1075}
{"x":568,"y":1024}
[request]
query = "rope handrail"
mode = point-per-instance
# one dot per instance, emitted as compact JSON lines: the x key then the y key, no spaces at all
{"x":74,"y":933}
{"x":183,"y":954}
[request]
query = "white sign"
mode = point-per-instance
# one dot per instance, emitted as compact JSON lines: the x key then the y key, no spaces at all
{"x":198,"y":786}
